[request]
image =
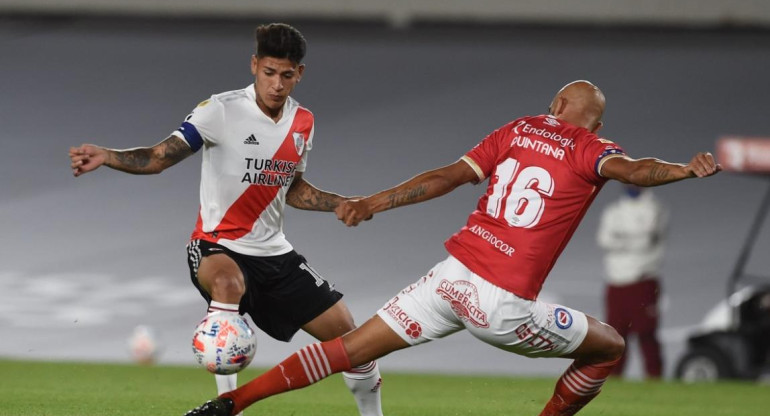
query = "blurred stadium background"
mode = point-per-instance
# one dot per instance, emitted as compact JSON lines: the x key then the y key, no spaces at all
{"x":397,"y":87}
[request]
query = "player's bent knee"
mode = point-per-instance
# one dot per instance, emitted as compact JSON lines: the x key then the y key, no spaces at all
{"x":226,"y":288}
{"x":616,"y":345}
{"x":221,"y":277}
{"x":602,"y":344}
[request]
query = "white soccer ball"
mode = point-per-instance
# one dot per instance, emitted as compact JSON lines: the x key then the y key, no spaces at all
{"x":223,"y":343}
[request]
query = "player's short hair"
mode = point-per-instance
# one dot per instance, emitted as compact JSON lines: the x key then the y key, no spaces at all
{"x":279,"y":40}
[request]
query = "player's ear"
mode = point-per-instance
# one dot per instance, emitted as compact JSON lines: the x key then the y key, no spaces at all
{"x":558,"y":105}
{"x":254,"y":62}
{"x":599,"y":125}
{"x":300,"y":71}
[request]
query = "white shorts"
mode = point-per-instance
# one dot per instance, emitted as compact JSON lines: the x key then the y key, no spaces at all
{"x":451,"y":298}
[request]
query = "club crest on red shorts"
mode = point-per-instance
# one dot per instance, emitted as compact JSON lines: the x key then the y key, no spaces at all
{"x":463,"y":298}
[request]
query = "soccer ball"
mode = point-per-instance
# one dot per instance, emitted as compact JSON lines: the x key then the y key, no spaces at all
{"x":223,"y":343}
{"x":143,"y":345}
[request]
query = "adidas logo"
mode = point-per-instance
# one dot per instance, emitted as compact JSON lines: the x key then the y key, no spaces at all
{"x":251,"y":140}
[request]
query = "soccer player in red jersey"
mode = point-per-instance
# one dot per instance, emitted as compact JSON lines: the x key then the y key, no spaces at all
{"x":544,"y":172}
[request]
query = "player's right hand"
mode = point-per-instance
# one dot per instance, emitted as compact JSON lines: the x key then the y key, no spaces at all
{"x":353,"y":211}
{"x":703,"y":165}
{"x":86,"y":157}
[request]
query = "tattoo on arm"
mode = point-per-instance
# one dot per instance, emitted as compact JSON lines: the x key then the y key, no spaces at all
{"x":146,"y":160}
{"x":134,"y":160}
{"x":303,"y":195}
{"x":659,"y":173}
{"x":174,"y":150}
{"x":407,"y":196}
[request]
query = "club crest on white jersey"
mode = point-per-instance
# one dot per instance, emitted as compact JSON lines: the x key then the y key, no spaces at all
{"x":299,"y":142}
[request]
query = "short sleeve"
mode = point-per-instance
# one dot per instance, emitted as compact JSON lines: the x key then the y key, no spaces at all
{"x":483,"y":157}
{"x":597,"y":152}
{"x":302,"y":164}
{"x":203,"y":126}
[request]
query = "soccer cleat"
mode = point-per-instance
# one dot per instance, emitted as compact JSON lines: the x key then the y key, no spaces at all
{"x":213,"y":407}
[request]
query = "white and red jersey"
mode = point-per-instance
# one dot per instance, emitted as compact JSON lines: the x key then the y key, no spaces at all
{"x":543,"y":175}
{"x":249,"y":163}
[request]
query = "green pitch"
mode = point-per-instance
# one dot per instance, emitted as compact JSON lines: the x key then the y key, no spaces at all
{"x":74,"y":389}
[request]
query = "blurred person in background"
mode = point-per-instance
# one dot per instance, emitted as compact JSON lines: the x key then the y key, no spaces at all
{"x":255,"y":143}
{"x":543,"y":173}
{"x":632,"y":233}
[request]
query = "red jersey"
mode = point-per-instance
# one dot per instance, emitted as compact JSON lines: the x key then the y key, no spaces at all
{"x":543,"y":175}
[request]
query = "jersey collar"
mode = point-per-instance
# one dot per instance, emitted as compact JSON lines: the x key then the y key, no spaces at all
{"x":288,"y":106}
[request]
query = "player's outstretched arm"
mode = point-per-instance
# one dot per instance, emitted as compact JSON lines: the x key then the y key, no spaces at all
{"x":653,"y":172}
{"x":139,"y":160}
{"x":303,"y":195}
{"x":425,"y":186}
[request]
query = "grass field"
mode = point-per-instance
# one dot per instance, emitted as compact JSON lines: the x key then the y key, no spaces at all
{"x":74,"y":389}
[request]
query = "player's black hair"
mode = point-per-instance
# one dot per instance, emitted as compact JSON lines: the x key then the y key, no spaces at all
{"x":279,"y":40}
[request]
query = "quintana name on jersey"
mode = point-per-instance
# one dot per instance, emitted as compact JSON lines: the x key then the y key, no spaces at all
{"x":526,"y":142}
{"x":528,"y":137}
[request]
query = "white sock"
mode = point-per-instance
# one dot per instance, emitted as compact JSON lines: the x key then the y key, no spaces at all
{"x":364,"y":382}
{"x":215,"y":306}
{"x":228,"y":382}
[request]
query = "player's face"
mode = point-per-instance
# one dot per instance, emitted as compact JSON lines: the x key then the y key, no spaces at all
{"x":275,"y":80}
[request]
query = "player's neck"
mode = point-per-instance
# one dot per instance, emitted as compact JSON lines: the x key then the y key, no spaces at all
{"x":274,"y":114}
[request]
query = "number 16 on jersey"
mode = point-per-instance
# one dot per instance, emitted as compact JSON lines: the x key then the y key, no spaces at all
{"x":517,"y":195}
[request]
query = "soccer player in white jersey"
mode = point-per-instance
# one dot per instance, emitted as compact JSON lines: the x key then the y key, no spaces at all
{"x":255,"y":143}
{"x":544,"y":171}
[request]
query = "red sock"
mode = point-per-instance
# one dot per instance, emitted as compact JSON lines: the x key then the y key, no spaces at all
{"x":303,"y":368}
{"x":576,"y":387}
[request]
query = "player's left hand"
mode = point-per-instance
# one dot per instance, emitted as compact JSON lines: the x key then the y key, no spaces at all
{"x":702,"y":165}
{"x":353,"y":211}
